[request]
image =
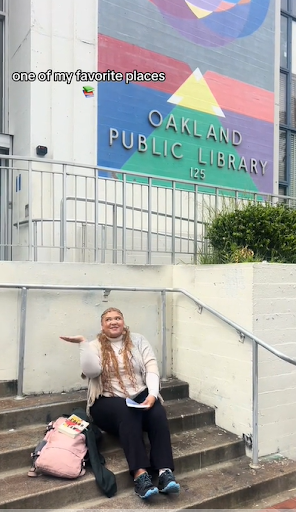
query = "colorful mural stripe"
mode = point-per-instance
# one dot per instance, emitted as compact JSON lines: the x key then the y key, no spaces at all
{"x":210,"y":124}
{"x":242,"y":98}
{"x":213,"y":23}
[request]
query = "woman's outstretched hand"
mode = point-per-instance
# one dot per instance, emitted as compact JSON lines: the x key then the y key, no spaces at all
{"x":73,"y":339}
{"x":149,"y":402}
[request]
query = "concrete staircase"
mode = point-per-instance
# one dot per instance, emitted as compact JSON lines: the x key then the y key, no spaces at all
{"x":211,"y":465}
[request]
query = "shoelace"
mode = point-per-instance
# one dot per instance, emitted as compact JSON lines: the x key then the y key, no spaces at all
{"x":168,"y":474}
{"x":145,"y":479}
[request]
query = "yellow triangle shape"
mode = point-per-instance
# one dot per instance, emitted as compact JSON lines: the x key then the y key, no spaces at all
{"x":195,"y":93}
{"x":199,"y":13}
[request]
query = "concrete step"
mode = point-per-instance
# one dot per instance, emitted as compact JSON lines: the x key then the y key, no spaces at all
{"x":274,"y":500}
{"x":225,"y":486}
{"x":16,"y":445}
{"x":8,"y":388}
{"x":192,"y":450}
{"x":43,"y":408}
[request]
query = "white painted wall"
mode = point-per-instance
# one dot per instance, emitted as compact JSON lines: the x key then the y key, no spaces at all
{"x":205,"y":352}
{"x":274,"y":321}
{"x":19,"y":106}
{"x":19,"y":59}
{"x":277,"y":65}
{"x":50,"y":364}
{"x":61,"y":36}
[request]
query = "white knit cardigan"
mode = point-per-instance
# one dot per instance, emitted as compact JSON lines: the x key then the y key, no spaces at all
{"x":90,"y":360}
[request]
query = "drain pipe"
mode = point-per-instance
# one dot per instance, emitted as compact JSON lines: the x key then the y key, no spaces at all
{"x":255,"y":464}
{"x":22,"y":341}
{"x":163,"y":337}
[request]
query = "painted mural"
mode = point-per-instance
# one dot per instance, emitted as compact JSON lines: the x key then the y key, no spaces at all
{"x":213,"y":22}
{"x":192,"y":102}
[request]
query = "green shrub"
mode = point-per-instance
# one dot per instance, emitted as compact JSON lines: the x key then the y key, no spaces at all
{"x":254,"y":233}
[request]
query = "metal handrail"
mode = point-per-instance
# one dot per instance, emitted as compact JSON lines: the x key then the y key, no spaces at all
{"x":139,"y":175}
{"x":127,"y":207}
{"x":35,"y":221}
{"x":243,"y":333}
{"x":127,"y":179}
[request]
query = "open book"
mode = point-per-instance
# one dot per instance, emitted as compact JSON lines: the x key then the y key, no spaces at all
{"x":73,"y":426}
{"x":132,"y":403}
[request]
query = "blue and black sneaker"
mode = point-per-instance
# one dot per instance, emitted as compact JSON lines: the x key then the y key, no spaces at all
{"x":167,"y":483}
{"x":144,"y":486}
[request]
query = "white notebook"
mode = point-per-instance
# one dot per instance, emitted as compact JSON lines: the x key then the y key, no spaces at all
{"x":132,"y":403}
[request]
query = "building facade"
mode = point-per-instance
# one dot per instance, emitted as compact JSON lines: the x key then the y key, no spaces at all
{"x":199,"y":92}
{"x":207,"y":114}
{"x":287,"y":136}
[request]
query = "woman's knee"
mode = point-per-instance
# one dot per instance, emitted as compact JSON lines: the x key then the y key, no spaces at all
{"x":130,"y":420}
{"x":158,"y":416}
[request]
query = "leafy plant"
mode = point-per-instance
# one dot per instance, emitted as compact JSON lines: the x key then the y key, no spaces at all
{"x":254,"y":232}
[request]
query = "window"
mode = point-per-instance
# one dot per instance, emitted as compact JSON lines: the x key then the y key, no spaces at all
{"x":283,"y":98}
{"x":2,"y":51}
{"x":282,"y":156}
{"x":293,"y":76}
{"x":284,"y":5}
{"x":284,"y":39}
{"x":292,"y":191}
{"x":287,"y":142}
{"x":1,"y":71}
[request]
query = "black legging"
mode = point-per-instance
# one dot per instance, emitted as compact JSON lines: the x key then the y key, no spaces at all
{"x":113,"y":416}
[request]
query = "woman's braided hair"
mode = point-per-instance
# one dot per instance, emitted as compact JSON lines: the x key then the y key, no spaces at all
{"x":109,"y":360}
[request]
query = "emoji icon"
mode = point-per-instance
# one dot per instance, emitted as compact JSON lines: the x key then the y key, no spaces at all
{"x":88,"y":91}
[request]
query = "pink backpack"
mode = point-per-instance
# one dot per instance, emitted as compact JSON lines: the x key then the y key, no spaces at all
{"x":58,"y":454}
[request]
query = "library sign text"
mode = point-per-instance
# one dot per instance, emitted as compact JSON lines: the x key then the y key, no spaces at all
{"x":205,"y":157}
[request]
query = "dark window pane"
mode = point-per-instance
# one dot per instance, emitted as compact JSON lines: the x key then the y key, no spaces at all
{"x":292,"y":191}
{"x":284,"y":5}
{"x":1,"y":5}
{"x":293,"y":77}
{"x":284,"y":56}
{"x":1,"y":73}
{"x":283,"y":192}
{"x":282,"y":156}
{"x":293,"y":102}
{"x":283,"y":98}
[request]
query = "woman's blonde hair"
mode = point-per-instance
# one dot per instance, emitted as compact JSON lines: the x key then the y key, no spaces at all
{"x":109,"y":360}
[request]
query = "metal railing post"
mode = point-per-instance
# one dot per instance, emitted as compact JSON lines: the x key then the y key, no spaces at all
{"x":62,"y":250}
{"x":22,"y":341}
{"x":236,"y":199}
{"x":83,"y":240}
{"x":35,"y":241}
{"x":173,"y":257}
{"x":195,"y":216}
{"x":149,"y":227}
{"x":254,"y":463}
{"x":103,"y":244}
{"x":30,"y":207}
{"x":216,"y":200}
{"x":96,"y":237}
{"x":124,"y":219}
{"x":64,"y":206}
{"x":114,"y":250}
{"x":163,"y":337}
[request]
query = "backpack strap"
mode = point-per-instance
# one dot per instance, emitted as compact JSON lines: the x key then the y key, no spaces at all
{"x":34,"y":455}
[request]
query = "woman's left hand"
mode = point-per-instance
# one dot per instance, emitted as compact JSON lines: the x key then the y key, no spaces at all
{"x":149,"y":402}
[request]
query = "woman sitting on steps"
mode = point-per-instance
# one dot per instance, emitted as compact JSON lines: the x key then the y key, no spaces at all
{"x":120,"y":364}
